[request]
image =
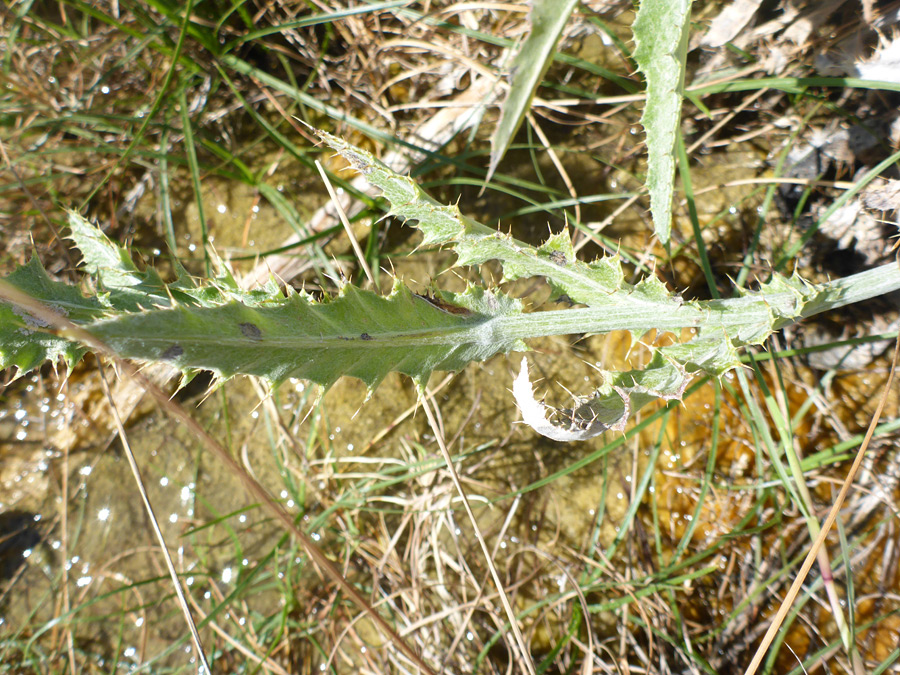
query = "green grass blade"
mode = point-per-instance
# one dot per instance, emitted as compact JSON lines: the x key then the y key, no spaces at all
{"x":193,"y":164}
{"x":313,"y":20}
{"x":793,"y":85}
{"x":684,"y":170}
{"x":547,"y":19}
{"x":158,"y":101}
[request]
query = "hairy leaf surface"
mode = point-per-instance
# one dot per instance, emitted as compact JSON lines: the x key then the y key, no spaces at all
{"x":24,"y":340}
{"x":359,"y":334}
{"x":598,"y":284}
{"x":661,"y":32}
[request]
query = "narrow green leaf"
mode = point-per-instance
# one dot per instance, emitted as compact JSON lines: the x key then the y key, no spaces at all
{"x":661,"y":33}
{"x":547,"y":19}
{"x":187,"y":126}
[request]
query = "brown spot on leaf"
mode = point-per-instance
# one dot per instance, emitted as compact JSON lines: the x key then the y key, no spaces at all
{"x":445,"y":306}
{"x":251,"y":330}
{"x":172,"y":352}
{"x":357,"y":161}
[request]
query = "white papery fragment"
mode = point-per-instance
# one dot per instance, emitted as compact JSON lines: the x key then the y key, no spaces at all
{"x":535,"y":414}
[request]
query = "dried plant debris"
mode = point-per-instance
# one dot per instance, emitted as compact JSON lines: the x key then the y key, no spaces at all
{"x":733,"y":18}
{"x":848,"y":357}
{"x":883,"y":195}
{"x":841,"y":39}
{"x":378,"y":63}
{"x":607,"y":409}
{"x":858,"y":228}
{"x":837,"y":148}
{"x":579,"y":423}
{"x":808,"y":18}
{"x":882,"y":65}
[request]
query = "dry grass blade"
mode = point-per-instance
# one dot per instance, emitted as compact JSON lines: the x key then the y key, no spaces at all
{"x":524,"y":655}
{"x":551,"y":153}
{"x":154,"y":523}
{"x":360,"y":256}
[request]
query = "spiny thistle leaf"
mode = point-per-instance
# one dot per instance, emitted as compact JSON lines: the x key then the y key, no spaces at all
{"x":722,"y":327}
{"x":661,"y":32}
{"x":126,"y":288}
{"x":359,"y":334}
{"x":597,"y":284}
{"x":24,"y":340}
{"x":216,"y":325}
{"x":600,"y":284}
{"x":609,"y":407}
